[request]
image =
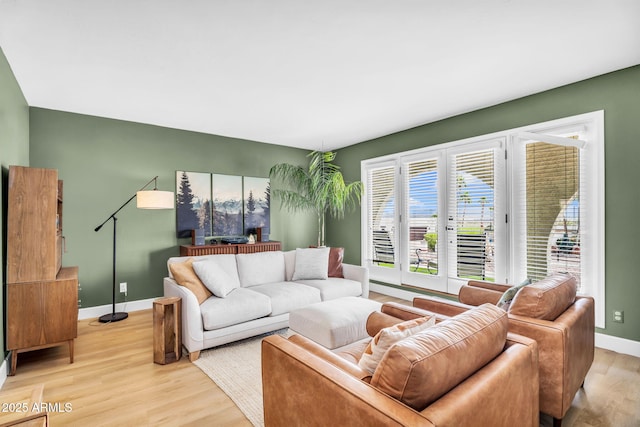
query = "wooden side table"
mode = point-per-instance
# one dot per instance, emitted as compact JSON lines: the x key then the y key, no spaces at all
{"x":167,"y":330}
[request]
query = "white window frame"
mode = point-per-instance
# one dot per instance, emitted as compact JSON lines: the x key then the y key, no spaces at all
{"x":592,"y":153}
{"x":592,"y":211}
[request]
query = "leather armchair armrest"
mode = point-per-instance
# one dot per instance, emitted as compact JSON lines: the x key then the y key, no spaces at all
{"x":442,"y":307}
{"x":566,"y":347}
{"x":498,"y":287}
{"x":403,"y":311}
{"x":475,"y":295}
{"x":392,"y":313}
{"x":300,"y":387}
{"x":377,"y":321}
{"x":329,"y":356}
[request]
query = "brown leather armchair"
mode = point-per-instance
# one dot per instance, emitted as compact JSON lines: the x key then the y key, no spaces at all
{"x":306,"y":384}
{"x":549,"y":312}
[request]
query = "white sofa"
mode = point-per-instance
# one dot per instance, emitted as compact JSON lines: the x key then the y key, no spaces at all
{"x":264,"y":293}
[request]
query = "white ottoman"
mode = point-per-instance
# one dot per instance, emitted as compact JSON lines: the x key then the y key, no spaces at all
{"x":334,"y":323}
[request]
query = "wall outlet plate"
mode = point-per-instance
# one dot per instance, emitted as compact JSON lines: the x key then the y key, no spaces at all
{"x":123,"y":287}
{"x":618,"y":316}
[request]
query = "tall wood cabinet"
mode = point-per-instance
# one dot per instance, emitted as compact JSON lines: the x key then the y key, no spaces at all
{"x":42,"y":296}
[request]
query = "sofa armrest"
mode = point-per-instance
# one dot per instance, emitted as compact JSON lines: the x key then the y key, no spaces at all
{"x":300,"y":388}
{"x":192,"y":327}
{"x":440,"y":306}
{"x":359,"y":274}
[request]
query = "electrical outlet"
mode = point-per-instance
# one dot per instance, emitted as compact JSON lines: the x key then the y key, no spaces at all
{"x":618,"y":316}
{"x":123,"y":287}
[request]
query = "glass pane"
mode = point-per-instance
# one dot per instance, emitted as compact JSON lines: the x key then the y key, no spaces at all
{"x":553,"y":210}
{"x":474,"y":215}
{"x":381,"y":211}
{"x":421,"y":188}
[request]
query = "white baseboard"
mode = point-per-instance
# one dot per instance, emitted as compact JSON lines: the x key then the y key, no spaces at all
{"x":4,"y":370}
{"x":608,"y":342}
{"x":93,"y":312}
{"x":399,"y":293}
{"x":617,"y":344}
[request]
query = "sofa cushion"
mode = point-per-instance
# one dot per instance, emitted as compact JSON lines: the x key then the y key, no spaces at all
{"x":215,"y":278}
{"x":259,"y":268}
{"x":311,"y":263}
{"x":420,"y":369}
{"x":388,"y":336}
{"x":239,"y":306}
{"x":507,"y":297}
{"x":287,"y":296}
{"x":546,"y":299}
{"x":184,"y":275}
{"x":334,"y":287}
{"x":336,"y":255}
{"x":289,"y":264}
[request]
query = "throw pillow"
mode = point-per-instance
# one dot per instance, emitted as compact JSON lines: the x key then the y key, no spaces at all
{"x":185,"y":276}
{"x":311,"y":263}
{"x":336,"y":255}
{"x":214,"y":278}
{"x":384,"y":339}
{"x":510,"y":293}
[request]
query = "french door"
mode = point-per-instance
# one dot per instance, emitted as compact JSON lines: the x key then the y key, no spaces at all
{"x":432,"y":224}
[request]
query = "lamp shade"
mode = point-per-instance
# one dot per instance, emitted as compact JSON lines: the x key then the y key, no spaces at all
{"x":155,"y":199}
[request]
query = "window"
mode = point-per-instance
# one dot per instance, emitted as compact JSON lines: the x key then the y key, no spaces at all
{"x":381,"y":222}
{"x":521,"y":203}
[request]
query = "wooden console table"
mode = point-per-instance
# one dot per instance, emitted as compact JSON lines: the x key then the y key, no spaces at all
{"x":222,"y":248}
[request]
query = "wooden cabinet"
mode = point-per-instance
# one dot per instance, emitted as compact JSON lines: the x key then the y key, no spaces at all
{"x":243,"y":248}
{"x":32,"y":232}
{"x":42,"y":297}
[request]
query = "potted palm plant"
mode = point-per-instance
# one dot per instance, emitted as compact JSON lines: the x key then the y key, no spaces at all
{"x":320,"y":188}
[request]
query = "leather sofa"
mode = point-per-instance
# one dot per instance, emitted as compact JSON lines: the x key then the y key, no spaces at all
{"x":464,"y":371}
{"x":549,"y":312}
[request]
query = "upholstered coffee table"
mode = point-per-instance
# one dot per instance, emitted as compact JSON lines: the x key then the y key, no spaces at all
{"x":334,"y":323}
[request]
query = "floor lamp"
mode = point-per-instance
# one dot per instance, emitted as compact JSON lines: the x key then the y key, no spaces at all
{"x":150,"y":199}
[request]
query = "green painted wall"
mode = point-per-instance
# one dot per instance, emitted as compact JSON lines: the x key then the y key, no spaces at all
{"x":103,"y":162}
{"x":618,"y":94}
{"x":14,"y":150}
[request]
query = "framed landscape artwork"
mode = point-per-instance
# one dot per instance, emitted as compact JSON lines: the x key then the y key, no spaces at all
{"x":221,"y":205}
{"x":227,"y":205}
{"x":257,"y":203}
{"x":193,"y":202}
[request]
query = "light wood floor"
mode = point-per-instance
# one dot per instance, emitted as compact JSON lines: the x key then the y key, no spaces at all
{"x":114,"y":381}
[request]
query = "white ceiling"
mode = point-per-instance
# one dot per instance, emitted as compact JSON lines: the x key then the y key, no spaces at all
{"x":310,"y":74}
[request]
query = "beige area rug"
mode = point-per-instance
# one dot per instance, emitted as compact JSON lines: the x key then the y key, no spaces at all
{"x":236,"y":369}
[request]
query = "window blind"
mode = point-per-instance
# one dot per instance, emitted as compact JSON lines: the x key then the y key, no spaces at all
{"x":421,"y":213}
{"x":552,"y":209}
{"x":471,"y":222}
{"x":381,"y":209}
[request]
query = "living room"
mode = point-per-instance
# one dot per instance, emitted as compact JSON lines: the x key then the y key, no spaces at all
{"x":104,"y":160}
